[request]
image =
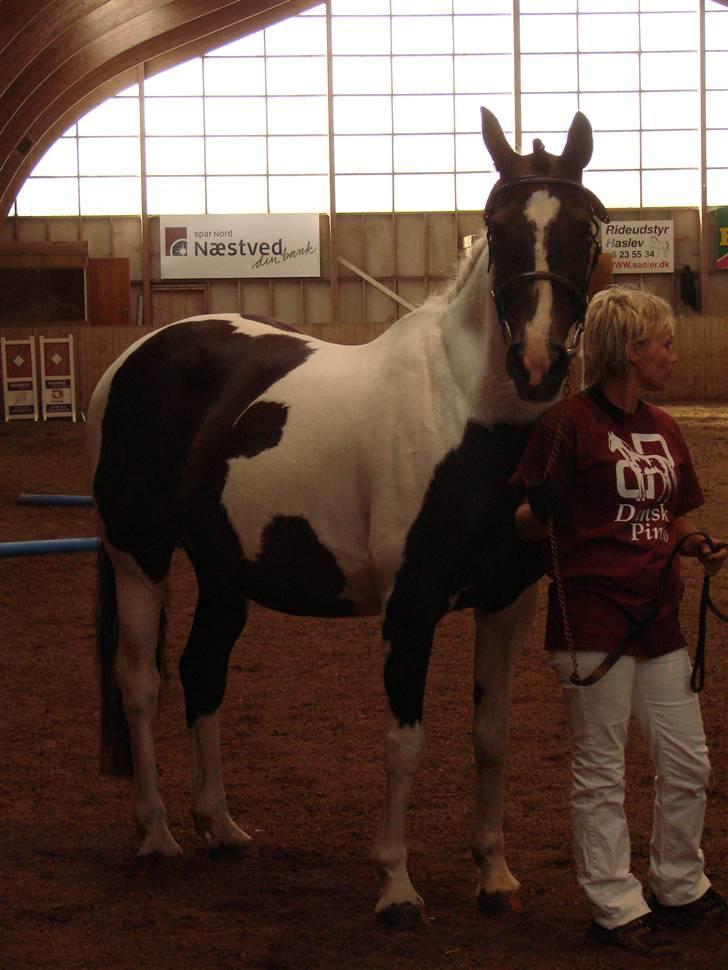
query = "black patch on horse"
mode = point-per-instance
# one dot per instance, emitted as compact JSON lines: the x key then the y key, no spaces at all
{"x":295,"y":573}
{"x":462,"y":545}
{"x":258,"y":429}
{"x":180,"y":381}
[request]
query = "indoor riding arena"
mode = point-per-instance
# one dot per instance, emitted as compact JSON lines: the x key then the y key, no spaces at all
{"x":321,"y":165}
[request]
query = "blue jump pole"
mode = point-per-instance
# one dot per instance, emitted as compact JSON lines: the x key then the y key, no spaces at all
{"x":30,"y":499}
{"x":47,"y":546}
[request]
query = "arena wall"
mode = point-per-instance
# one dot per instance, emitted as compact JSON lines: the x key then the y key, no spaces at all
{"x":700,"y":342}
{"x":410,"y":255}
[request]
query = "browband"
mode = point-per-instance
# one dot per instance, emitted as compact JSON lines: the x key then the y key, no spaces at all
{"x":500,"y":186}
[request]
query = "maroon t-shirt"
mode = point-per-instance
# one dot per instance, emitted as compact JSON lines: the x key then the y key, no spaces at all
{"x":626,"y":478}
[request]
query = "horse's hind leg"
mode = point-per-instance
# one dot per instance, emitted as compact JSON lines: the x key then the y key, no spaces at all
{"x":140,"y":602}
{"x":219,"y":620}
{"x":499,"y":638}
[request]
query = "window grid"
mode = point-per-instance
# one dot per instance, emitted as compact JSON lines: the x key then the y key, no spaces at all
{"x":716,"y":94}
{"x":408,"y":181}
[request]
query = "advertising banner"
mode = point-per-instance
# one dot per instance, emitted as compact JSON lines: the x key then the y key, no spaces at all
{"x":20,"y":390}
{"x":721,"y":248}
{"x":640,"y":247}
{"x":58,"y":386}
{"x":239,"y":246}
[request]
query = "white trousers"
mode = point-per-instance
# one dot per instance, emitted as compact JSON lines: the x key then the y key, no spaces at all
{"x":658,"y":693}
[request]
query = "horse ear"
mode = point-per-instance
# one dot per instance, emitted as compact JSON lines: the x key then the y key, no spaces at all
{"x":579,"y":144}
{"x":495,"y":141}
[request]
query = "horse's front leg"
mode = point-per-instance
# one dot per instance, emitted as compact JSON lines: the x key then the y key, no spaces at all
{"x":408,"y":643}
{"x":498,"y":641}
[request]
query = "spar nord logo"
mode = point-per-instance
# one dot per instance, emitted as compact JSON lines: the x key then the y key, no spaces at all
{"x":175,"y":241}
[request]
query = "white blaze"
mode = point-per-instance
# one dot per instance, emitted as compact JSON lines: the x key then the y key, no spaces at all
{"x":540,"y":211}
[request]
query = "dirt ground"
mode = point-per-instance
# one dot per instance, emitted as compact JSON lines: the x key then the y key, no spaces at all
{"x":302,"y":747}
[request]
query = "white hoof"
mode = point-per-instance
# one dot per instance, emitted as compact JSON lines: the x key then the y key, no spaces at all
{"x":159,"y":843}
{"x":222,"y":833}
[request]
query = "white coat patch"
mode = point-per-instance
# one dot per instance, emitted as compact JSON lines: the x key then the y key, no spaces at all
{"x":540,"y":211}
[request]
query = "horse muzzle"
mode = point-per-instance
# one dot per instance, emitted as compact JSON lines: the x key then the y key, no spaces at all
{"x":550,"y":383}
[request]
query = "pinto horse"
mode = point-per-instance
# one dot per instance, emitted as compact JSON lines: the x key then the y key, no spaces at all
{"x":328,"y":480}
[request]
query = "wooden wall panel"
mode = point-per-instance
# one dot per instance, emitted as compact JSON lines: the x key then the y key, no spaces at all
{"x":414,"y":291}
{"x":410,"y":229}
{"x":469,"y":224}
{"x":406,"y":247}
{"x":61,"y":230}
{"x":170,"y":303}
{"x":288,"y":302}
{"x":96,"y":349}
{"x":98,"y":233}
{"x":380,"y":256}
{"x":379,"y":306}
{"x":126,"y":240}
{"x":33,"y":230}
{"x":108,"y":292}
{"x":317,"y":301}
{"x":223,"y":296}
{"x":351,"y":303}
{"x":442,"y":243}
{"x":687,"y":239}
{"x":325,"y":245}
{"x":350,"y":239}
{"x":256,"y":298}
{"x":701,"y":344}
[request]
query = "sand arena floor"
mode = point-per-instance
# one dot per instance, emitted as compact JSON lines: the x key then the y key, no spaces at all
{"x":302,"y":747}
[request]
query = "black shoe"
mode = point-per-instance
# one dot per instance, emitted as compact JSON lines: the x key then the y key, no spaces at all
{"x":644,"y":936}
{"x":710,"y":906}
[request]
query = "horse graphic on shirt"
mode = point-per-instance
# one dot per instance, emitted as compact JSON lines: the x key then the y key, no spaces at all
{"x":643,"y":476}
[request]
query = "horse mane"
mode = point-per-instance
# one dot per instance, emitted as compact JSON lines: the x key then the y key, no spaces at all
{"x":465,"y":266}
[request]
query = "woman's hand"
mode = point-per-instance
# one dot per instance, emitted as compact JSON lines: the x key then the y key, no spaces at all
{"x":546,"y":500}
{"x":711,"y":555}
{"x":712,"y":558}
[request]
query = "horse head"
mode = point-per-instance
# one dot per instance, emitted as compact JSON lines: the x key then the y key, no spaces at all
{"x":543,"y":238}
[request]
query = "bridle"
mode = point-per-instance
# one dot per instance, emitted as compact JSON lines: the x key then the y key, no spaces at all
{"x":597,"y":213}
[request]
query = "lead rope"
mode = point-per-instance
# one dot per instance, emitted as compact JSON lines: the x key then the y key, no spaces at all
{"x":553,"y":545}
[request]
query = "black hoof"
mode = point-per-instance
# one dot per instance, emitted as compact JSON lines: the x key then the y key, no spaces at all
{"x":500,"y":903}
{"x":401,"y":916}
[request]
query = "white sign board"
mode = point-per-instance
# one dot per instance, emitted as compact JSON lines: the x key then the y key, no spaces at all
{"x":20,"y":386}
{"x":640,"y":247}
{"x":57,"y":377}
{"x":239,"y":247}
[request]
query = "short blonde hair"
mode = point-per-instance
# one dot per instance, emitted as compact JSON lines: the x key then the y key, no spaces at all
{"x":616,"y":318}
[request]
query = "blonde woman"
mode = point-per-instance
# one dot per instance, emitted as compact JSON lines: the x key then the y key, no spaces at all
{"x":619,"y":493}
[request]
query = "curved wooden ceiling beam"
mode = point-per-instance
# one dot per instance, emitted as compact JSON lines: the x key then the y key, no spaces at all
{"x":98,"y":37}
{"x":40,"y":34}
{"x":17,"y":15}
{"x":97,"y":55}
